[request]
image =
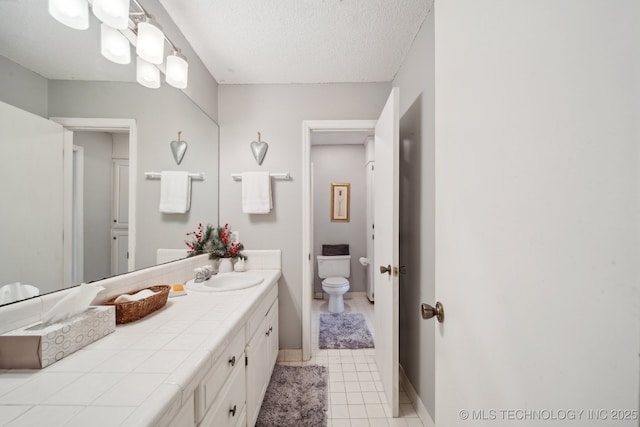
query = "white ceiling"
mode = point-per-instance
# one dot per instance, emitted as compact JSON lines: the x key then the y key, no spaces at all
{"x":299,"y":41}
{"x":244,"y":42}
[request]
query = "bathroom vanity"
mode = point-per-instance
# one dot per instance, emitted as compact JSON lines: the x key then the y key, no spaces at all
{"x":205,"y":359}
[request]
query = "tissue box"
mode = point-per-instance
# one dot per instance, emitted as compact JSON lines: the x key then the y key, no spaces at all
{"x":38,"y":346}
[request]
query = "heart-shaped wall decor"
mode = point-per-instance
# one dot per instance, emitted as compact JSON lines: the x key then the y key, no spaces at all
{"x":259,"y":149}
{"x":178,"y":148}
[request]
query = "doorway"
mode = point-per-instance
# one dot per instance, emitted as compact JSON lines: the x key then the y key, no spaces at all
{"x":122,"y":190}
{"x":308,"y":261}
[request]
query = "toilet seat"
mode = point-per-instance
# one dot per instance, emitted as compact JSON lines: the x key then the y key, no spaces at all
{"x":335,"y":282}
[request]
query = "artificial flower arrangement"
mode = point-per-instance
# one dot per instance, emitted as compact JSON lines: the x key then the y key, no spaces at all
{"x":216,"y":241}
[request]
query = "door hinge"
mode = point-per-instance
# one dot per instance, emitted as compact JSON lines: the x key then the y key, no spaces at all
{"x":246,"y":361}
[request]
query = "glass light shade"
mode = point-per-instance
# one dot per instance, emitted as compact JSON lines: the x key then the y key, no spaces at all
{"x":147,"y":74}
{"x":177,"y":70}
{"x":114,"y":46}
{"x":150,"y":44}
{"x":114,"y":13}
{"x":72,"y":13}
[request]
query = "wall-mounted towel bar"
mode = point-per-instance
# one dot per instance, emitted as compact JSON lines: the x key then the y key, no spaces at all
{"x":283,"y":176}
{"x":156,"y":175}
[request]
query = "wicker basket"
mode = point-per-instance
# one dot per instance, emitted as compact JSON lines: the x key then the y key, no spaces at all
{"x":131,"y":311}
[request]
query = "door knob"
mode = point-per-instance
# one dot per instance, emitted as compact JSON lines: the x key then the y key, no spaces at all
{"x":428,"y":311}
{"x":386,"y":269}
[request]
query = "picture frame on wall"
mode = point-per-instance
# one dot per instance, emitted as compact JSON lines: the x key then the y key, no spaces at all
{"x":340,"y":201}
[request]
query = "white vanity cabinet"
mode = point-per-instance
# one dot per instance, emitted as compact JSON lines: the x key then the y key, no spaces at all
{"x":228,"y":409}
{"x":231,"y":392}
{"x":261,"y":353}
{"x":223,"y":385}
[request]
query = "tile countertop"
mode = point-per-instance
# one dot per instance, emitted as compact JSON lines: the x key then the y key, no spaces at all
{"x":141,"y":374}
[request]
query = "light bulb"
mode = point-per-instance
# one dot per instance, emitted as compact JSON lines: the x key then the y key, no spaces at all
{"x":115,"y":13}
{"x":114,"y":46}
{"x":72,"y":13}
{"x":147,"y":74}
{"x":150,"y":43}
{"x":177,"y":70}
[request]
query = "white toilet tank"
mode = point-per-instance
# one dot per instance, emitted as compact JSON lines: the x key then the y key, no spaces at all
{"x":334,"y":266}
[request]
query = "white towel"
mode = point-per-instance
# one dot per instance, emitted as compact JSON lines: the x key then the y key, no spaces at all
{"x":175,"y":192}
{"x":256,"y":193}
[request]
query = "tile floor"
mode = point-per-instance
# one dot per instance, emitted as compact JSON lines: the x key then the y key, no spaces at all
{"x":355,"y":391}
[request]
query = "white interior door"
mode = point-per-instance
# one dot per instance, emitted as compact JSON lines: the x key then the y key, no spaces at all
{"x":386,"y":247}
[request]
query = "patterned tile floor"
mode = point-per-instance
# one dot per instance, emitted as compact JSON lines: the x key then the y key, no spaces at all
{"x":355,"y":391}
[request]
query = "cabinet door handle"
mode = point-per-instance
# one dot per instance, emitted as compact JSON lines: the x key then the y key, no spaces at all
{"x":270,"y":328}
{"x":232,"y":361}
{"x":232,"y":411}
{"x":267,"y":333}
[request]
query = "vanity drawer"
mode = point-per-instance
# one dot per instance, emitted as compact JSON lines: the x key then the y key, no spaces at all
{"x":258,"y":316}
{"x":232,"y":357}
{"x":228,"y":410}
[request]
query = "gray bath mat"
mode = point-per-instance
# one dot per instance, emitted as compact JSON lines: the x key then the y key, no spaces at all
{"x":296,"y":396}
{"x":344,"y":330}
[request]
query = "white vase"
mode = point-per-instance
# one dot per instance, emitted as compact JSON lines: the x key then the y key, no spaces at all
{"x":225,"y":265}
{"x":239,"y":265}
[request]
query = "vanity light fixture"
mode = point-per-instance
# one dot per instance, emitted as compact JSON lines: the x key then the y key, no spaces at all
{"x":114,"y":46}
{"x":125,"y":21}
{"x":114,"y":13}
{"x":147,"y":74}
{"x":177,"y":70}
{"x":72,"y":13}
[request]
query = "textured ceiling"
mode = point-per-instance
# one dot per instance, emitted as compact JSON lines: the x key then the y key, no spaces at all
{"x":246,"y":41}
{"x":300,"y":41}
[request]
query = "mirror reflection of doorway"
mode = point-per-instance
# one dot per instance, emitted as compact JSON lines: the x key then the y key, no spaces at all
{"x":101,"y":204}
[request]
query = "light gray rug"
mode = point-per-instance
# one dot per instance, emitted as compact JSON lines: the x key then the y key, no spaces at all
{"x":296,"y":396}
{"x":344,"y":330}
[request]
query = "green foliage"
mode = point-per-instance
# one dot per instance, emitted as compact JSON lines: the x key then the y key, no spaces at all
{"x":214,"y":241}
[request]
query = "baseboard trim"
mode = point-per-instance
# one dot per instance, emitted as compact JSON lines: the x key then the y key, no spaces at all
{"x":289,"y":355}
{"x":426,"y":419}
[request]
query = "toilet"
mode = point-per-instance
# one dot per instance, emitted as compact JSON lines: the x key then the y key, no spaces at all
{"x":335,"y":270}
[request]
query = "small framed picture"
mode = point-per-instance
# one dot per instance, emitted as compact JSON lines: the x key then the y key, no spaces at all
{"x":340,"y":201}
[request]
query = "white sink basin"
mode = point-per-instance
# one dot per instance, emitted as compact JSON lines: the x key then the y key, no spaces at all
{"x":226,"y":282}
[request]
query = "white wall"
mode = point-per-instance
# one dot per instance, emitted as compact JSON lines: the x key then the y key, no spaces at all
{"x":278,"y":111}
{"x":537,"y":214}
{"x":31,"y":220}
{"x":417,"y":212}
{"x":159,"y":114}
{"x":340,"y":163}
{"x":98,"y":147}
{"x":23,"y":88}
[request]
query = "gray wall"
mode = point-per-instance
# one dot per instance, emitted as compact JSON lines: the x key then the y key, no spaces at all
{"x":98,"y":147}
{"x":23,"y":88}
{"x":340,"y":163}
{"x":417,"y":212}
{"x":202,"y":87}
{"x":159,"y":114}
{"x":278,"y":111}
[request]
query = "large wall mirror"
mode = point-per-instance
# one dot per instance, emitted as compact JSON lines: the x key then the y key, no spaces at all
{"x":78,"y":135}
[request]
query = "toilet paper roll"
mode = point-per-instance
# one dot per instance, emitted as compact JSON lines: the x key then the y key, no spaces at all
{"x":364,"y":261}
